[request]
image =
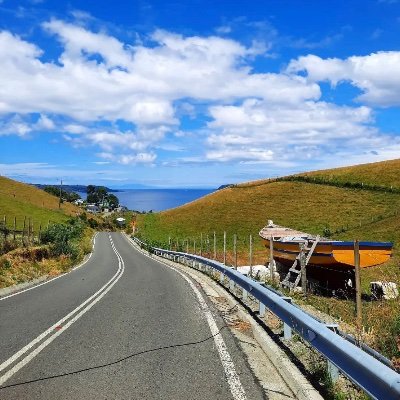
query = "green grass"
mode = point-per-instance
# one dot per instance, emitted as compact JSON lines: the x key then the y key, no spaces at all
{"x":19,"y":200}
{"x":348,"y":213}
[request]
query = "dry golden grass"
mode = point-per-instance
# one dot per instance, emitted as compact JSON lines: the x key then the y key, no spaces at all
{"x":350,"y":213}
{"x":28,"y":263}
{"x":19,"y":200}
{"x":384,"y":173}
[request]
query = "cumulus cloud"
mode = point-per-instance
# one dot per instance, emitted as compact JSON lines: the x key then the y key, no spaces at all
{"x":98,"y":81}
{"x":376,"y":75}
{"x":258,"y":131}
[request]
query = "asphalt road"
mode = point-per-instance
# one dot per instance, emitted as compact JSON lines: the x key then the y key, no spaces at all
{"x":123,"y":326}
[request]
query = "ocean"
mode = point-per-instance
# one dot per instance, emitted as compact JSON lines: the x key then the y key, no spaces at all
{"x":156,"y":199}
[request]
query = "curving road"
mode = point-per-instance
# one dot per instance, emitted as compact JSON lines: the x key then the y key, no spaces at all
{"x":123,"y":326}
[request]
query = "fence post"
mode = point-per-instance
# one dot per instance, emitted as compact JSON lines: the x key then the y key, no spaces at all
{"x":271,"y":260}
{"x":215,"y":246}
{"x":358,"y":283}
{"x":23,"y":230}
{"x":303,"y":269}
{"x":15,"y":227}
{"x":201,"y":244}
{"x":224,"y":247}
{"x":235,"y":249}
{"x":5,"y":228}
{"x":251,"y":255}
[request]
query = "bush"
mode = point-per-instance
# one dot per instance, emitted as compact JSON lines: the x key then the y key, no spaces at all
{"x":93,"y":223}
{"x":60,"y":237}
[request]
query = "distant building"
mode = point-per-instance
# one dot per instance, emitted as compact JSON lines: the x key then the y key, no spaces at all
{"x":92,"y":208}
{"x":78,"y":202}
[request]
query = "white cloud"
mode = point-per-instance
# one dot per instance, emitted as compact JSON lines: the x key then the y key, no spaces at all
{"x":100,"y":81}
{"x":376,"y":75}
{"x":258,"y":131}
{"x":126,"y":159}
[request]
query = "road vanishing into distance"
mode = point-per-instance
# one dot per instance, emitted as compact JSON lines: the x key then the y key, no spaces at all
{"x":122,"y":326}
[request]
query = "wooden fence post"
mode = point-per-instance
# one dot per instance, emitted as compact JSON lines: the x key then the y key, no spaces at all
{"x":15,"y":227}
{"x":303,"y":269}
{"x":224,"y":248}
{"x":358,"y":283}
{"x":251,"y":255}
{"x":235,"y":249}
{"x":271,"y":260}
{"x":201,"y":244}
{"x":215,"y":246}
{"x":23,"y":229}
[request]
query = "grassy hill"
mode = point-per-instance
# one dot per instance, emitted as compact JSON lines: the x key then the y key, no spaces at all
{"x":345,"y":212}
{"x":21,"y":200}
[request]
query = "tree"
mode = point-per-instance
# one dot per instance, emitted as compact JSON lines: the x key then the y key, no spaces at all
{"x":112,"y":200}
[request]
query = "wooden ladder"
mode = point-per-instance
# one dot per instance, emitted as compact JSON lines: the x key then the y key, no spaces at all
{"x":293,"y":276}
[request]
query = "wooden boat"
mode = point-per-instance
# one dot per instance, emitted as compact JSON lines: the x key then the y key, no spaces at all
{"x":331,"y":254}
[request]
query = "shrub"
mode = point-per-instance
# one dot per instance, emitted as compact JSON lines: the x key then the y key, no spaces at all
{"x":60,"y":237}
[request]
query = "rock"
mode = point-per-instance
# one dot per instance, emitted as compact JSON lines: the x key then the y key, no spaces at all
{"x":260,"y":272}
{"x":384,"y":290}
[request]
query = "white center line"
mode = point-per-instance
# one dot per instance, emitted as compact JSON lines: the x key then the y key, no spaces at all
{"x":92,"y":300}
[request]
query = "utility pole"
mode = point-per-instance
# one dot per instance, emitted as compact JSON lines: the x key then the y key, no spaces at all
{"x":59,"y":202}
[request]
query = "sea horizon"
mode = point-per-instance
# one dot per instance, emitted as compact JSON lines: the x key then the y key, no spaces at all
{"x":156,"y":199}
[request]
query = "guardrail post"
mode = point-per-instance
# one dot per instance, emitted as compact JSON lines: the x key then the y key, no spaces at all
{"x":221,"y":278}
{"x":261,"y":309}
{"x":287,"y":330}
{"x":244,"y":295}
{"x":333,"y":371}
{"x":231,"y":285}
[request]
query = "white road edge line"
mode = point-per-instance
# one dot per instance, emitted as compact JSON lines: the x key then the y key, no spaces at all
{"x":232,"y":377}
{"x":53,"y":279}
{"x":100,"y":294}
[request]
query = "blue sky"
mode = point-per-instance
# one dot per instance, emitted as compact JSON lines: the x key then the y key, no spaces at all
{"x":195,"y":93}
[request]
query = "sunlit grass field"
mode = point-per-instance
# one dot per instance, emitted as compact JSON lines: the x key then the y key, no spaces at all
{"x":19,"y":200}
{"x":346,"y":213}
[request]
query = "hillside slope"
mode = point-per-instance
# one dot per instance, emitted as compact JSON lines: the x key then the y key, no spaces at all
{"x":366,"y":213}
{"x":338,"y":212}
{"x":19,"y":200}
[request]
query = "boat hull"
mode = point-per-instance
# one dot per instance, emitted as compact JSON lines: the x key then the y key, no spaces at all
{"x":336,"y":255}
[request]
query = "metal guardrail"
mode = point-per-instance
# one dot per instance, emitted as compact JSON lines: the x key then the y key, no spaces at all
{"x":374,"y":377}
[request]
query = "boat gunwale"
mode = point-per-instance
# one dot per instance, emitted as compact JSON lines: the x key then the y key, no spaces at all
{"x":337,"y":243}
